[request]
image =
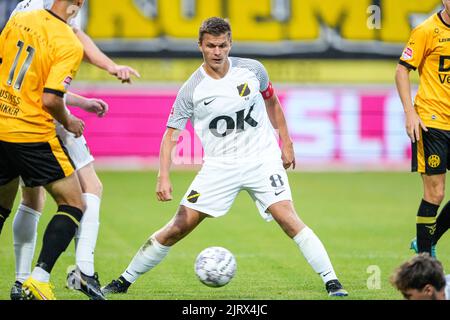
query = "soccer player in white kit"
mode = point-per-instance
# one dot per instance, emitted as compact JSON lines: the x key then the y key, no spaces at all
{"x":234,"y":110}
{"x":29,"y":211}
{"x":422,"y":278}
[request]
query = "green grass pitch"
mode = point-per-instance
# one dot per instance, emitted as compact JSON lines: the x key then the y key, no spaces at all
{"x":365,"y":221}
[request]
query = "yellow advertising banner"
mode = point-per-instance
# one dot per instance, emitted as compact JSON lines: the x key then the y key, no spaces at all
{"x":288,"y":26}
{"x":287,"y":71}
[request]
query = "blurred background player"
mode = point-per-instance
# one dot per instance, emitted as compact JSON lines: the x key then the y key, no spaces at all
{"x":428,"y":121}
{"x":422,"y":278}
{"x":226,"y":99}
{"x":33,"y":199}
{"x":35,"y":89}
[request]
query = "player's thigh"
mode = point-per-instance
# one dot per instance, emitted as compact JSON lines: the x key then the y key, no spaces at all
{"x":214,"y":189}
{"x":268,"y":184}
{"x":66,"y":191}
{"x":89,"y":181}
{"x":430,"y":155}
{"x":187,"y":218}
{"x":48,"y":164}
{"x":33,"y":198}
{"x":183,"y":222}
{"x":42,"y":163}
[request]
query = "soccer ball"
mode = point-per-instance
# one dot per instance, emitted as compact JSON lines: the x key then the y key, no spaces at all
{"x":215,"y":266}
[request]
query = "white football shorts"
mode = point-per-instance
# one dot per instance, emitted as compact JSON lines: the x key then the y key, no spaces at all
{"x":217,"y":184}
{"x":77,"y":147}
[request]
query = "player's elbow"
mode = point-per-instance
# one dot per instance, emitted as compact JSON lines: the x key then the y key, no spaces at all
{"x":171,"y":135}
{"x":52,"y":101}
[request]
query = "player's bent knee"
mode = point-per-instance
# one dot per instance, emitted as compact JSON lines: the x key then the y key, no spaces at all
{"x":89,"y":181}
{"x":440,"y":196}
{"x":95,"y":188}
{"x":183,"y":223}
{"x":176,"y":233}
{"x":178,"y":229}
{"x":285,"y":215}
{"x":170,"y":235}
{"x":34,"y":198}
{"x":71,"y":200}
{"x":435,"y":195}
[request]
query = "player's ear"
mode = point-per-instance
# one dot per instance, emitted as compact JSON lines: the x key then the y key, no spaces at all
{"x":428,"y":290}
{"x":79,"y":3}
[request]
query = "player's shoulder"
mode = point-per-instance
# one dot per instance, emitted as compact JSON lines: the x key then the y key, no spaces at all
{"x":192,"y":82}
{"x":28,"y":5}
{"x":56,"y":26}
{"x":429,"y":25}
{"x":24,"y":15}
{"x":64,"y":41}
{"x":239,"y":62}
{"x":252,"y":65}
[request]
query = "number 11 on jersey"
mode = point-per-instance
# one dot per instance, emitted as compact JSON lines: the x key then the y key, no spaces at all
{"x":23,"y":69}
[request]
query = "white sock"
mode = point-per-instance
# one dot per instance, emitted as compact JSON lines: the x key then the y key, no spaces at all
{"x":24,"y":234}
{"x":148,"y":256}
{"x":315,"y":253}
{"x":40,"y":275}
{"x":87,"y":233}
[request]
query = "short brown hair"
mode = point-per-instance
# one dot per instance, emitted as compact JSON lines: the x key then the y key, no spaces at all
{"x":215,"y":26}
{"x":417,"y":272}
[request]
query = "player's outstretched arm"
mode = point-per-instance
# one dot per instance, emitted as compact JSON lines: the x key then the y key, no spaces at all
{"x":276,"y":116}
{"x":168,"y":144}
{"x":96,"y":57}
{"x":93,"y":105}
{"x":413,"y":123}
{"x":56,"y":107}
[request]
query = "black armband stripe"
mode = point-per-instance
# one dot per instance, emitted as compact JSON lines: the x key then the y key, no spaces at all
{"x":406,"y":64}
{"x":55,"y":92}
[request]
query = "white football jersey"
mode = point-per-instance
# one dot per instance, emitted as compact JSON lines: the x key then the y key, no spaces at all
{"x":228,"y":114}
{"x":29,"y":5}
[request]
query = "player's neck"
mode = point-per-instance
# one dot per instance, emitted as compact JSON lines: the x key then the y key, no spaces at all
{"x":60,"y":9}
{"x":217,"y":73}
{"x":445,"y":16}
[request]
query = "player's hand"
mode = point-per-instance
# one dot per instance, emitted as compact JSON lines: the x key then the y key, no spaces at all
{"x":97,"y":106}
{"x":74,"y":125}
{"x":123,"y":73}
{"x":413,"y":124}
{"x":163,"y":189}
{"x":288,"y":155}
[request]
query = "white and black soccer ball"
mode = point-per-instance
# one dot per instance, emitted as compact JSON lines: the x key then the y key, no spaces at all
{"x":215,"y":266}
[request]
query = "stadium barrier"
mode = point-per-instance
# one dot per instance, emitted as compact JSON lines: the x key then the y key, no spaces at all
{"x":333,"y":127}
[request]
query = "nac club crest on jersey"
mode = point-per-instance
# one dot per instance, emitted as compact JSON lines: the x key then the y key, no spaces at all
{"x":243,"y":89}
{"x":193,"y":196}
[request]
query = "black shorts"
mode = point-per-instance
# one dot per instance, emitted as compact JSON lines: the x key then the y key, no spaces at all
{"x":38,"y":164}
{"x":430,"y":154}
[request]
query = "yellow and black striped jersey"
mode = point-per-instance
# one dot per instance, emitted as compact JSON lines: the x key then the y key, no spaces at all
{"x":428,"y":50}
{"x":39,"y":53}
